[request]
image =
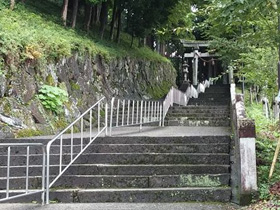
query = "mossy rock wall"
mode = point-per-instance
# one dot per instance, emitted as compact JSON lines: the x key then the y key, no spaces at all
{"x":85,"y":78}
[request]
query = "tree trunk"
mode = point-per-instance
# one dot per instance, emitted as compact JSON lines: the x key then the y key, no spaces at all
{"x":141,"y":42}
{"x":113,"y":20}
{"x":88,"y":17}
{"x":96,"y":14}
{"x":103,"y":18}
{"x":12,"y":4}
{"x":75,"y":12}
{"x":132,"y":39}
{"x":150,"y":41}
{"x":162,"y":48}
{"x":64,"y":12}
{"x":119,"y":15}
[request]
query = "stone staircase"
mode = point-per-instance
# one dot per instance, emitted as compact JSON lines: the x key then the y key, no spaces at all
{"x":135,"y":169}
{"x":210,"y":109}
{"x":139,"y":168}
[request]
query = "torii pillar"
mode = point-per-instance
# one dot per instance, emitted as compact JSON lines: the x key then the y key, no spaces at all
{"x":195,"y":67}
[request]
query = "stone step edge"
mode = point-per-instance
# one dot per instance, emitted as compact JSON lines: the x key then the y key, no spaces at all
{"x":129,"y":165}
{"x":123,"y":190}
{"x":120,"y":176}
{"x":137,"y":153}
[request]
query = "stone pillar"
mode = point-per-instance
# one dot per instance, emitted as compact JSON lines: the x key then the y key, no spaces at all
{"x":225,"y":79}
{"x":244,"y":170}
{"x":230,"y":76}
{"x":195,"y":67}
{"x":248,"y":168}
{"x":210,"y":70}
{"x":214,"y":71}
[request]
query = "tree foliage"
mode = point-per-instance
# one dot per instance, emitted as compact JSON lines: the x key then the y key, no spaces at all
{"x":159,"y":21}
{"x":245,"y":34}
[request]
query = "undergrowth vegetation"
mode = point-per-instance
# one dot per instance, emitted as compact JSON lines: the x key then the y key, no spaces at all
{"x":27,"y":35}
{"x":267,"y":136}
{"x":53,"y":98}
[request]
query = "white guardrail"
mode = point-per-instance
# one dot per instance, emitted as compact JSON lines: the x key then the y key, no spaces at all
{"x":80,"y":128}
{"x":22,"y":191}
{"x":126,"y":112}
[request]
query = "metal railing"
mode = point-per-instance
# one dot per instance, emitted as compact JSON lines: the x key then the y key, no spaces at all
{"x":125,"y":112}
{"x":80,"y":127}
{"x":174,"y":96}
{"x":27,"y":191}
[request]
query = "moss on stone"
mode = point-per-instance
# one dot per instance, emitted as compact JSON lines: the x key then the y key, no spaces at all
{"x":199,"y":181}
{"x":50,"y":80}
{"x":158,"y":91}
{"x":28,"y":133}
{"x":60,"y":123}
{"x":74,"y":86}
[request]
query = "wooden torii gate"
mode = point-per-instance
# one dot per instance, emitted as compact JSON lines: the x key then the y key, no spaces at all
{"x":196,"y":45}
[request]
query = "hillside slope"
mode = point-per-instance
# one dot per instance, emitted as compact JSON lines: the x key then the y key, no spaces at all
{"x":35,"y":50}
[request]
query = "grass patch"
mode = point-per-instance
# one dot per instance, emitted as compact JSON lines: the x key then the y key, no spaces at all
{"x":267,"y":137}
{"x":28,"y":133}
{"x":33,"y":33}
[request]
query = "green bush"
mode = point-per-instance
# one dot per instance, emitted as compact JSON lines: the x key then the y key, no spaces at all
{"x":52,"y":98}
{"x":267,"y":136}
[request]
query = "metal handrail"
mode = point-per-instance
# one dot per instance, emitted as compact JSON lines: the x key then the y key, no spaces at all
{"x":174,"y":96}
{"x":27,"y":190}
{"x":59,"y":138}
{"x":134,"y":112}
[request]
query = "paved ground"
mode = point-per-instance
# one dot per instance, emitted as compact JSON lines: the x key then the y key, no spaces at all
{"x":121,"y":206}
{"x":158,"y":131}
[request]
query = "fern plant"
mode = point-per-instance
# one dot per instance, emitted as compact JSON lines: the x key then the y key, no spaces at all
{"x":53,"y":98}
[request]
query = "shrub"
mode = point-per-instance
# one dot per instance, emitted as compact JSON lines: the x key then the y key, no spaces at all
{"x":52,"y":98}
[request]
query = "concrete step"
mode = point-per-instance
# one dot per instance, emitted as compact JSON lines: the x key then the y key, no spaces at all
{"x":129,"y":169}
{"x":213,"y":123}
{"x":123,"y":181}
{"x":197,"y":118}
{"x":223,"y":94}
{"x":202,"y":107}
{"x":208,"y":103}
{"x":130,"y":148}
{"x":201,"y":111}
{"x":216,"y":91}
{"x":127,"y":158}
{"x":213,"y":194}
{"x":135,"y":140}
{"x":209,"y":100}
{"x":198,"y":115}
{"x":164,"y":140}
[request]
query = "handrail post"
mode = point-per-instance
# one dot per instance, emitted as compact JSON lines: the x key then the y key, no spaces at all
{"x":111,"y":116}
{"x":172,"y":96}
{"x":132,"y":118}
{"x":128,"y":111}
{"x":118,"y":111}
{"x":106,"y":119}
{"x":163,"y":112}
{"x":141,"y":115}
{"x":43,"y":175}
{"x":160,"y":114}
{"x":48,"y":176}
